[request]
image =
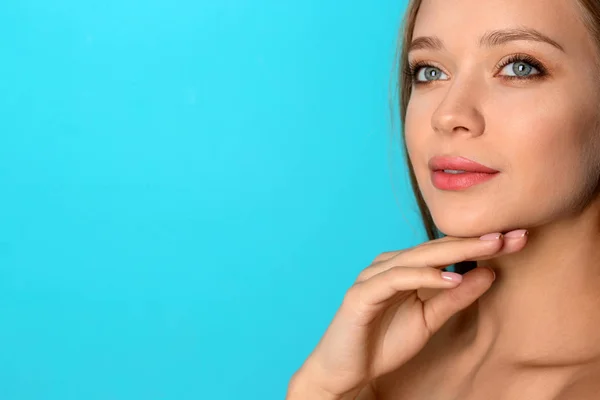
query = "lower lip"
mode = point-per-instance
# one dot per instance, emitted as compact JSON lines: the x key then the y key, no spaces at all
{"x":446,"y":181}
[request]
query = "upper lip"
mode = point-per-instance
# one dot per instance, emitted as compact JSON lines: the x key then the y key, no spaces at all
{"x":439,"y":163}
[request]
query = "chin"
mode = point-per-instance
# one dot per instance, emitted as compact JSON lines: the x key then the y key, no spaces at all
{"x":466,"y":224}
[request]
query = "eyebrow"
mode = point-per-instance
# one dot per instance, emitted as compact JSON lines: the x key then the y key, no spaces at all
{"x":489,"y":39}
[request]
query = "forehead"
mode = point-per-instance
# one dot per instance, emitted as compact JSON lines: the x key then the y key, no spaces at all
{"x":463,"y":22}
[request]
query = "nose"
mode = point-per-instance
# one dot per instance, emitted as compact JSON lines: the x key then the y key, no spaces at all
{"x":459,"y":112}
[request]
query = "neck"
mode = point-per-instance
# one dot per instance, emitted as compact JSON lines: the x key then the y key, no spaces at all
{"x":543,"y":309}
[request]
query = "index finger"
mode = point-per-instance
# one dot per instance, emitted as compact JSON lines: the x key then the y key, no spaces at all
{"x":386,"y":255}
{"x":438,"y":254}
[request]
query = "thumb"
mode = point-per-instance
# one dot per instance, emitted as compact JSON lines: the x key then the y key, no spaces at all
{"x":441,"y":307}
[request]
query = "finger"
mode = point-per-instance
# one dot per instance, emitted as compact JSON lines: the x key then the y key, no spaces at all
{"x":437,"y":255}
{"x":386,"y":255}
{"x":515,"y":241}
{"x":441,"y":307}
{"x":441,"y":254}
{"x":512,"y":244}
{"x":368,"y":298}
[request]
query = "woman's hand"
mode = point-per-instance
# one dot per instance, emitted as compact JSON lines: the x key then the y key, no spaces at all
{"x":382,"y":323}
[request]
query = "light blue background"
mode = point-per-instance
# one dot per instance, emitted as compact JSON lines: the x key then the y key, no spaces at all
{"x":188,"y":189}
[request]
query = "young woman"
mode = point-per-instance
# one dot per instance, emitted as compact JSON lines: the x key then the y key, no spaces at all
{"x":500,"y":105}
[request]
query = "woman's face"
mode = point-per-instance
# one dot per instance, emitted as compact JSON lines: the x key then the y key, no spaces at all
{"x":540,"y":133}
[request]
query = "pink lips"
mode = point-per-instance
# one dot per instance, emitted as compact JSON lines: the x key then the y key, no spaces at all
{"x":474,"y":173}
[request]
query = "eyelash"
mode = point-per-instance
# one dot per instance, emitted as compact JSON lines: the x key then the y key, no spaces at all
{"x":414,"y":67}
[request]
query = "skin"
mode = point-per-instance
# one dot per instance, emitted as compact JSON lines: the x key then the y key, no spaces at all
{"x":543,"y":309}
{"x":531,"y":332}
{"x":386,"y":302}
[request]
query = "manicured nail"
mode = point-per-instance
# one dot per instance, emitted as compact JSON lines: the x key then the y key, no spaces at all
{"x":491,"y":236}
{"x":517,"y":234}
{"x":452,"y":276}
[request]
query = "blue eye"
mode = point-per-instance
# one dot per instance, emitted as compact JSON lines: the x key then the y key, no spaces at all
{"x":429,"y":73}
{"x":520,"y":68}
{"x":423,"y":73}
{"x":523,"y":65}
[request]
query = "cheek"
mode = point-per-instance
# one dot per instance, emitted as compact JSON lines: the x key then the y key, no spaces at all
{"x":551,"y":159}
{"x":417,"y":133}
{"x":418,"y":145}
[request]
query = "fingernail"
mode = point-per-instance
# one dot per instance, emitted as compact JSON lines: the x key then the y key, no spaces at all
{"x":491,"y":236}
{"x":493,"y":272}
{"x":517,"y":234}
{"x":452,"y":276}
